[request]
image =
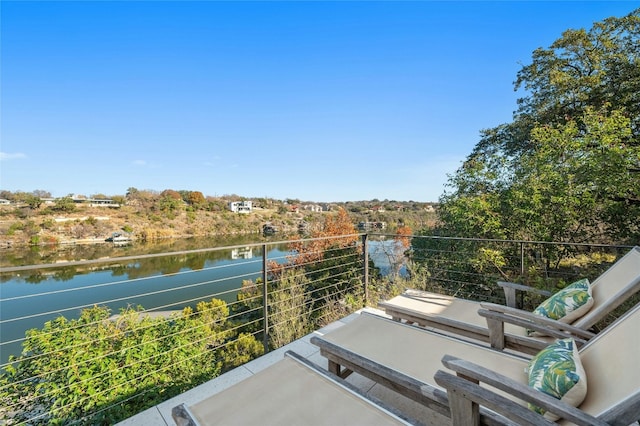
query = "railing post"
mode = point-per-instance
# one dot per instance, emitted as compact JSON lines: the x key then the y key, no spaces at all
{"x":265,"y":300}
{"x":522,"y":278}
{"x":522,"y":259}
{"x":365,"y":267}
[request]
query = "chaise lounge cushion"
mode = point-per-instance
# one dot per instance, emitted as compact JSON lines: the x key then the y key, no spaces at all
{"x":568,"y":304}
{"x":557,"y":371}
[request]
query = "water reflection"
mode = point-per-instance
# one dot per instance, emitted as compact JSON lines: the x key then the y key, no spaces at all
{"x":163,"y":283}
{"x":160,"y":283}
{"x":38,"y":255}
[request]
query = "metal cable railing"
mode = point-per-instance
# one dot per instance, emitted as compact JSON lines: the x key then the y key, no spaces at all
{"x":178,"y":329}
{"x":214,"y":317}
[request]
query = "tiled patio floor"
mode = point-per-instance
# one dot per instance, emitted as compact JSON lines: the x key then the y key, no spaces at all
{"x":161,"y":414}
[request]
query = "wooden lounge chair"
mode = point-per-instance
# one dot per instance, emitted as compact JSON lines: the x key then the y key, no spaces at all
{"x":406,"y":359}
{"x":292,"y":391}
{"x":613,"y":380}
{"x":460,"y":316}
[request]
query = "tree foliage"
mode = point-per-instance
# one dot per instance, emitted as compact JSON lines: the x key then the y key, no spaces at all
{"x":99,"y":370}
{"x":324,"y":272}
{"x":403,"y":236}
{"x":568,"y":167}
{"x":582,"y":69}
{"x":339,"y":224}
{"x":195,"y":198}
{"x":33,"y":201}
{"x":332,"y":264}
{"x":64,"y":204}
{"x":170,"y":193}
{"x":142,"y":198}
{"x":289,"y":308}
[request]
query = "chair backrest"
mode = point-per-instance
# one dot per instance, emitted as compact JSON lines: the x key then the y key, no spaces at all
{"x":610,"y":361}
{"x":613,"y":287}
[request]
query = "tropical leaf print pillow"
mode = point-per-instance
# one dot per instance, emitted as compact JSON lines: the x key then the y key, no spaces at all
{"x":558,"y":372}
{"x":568,"y":304}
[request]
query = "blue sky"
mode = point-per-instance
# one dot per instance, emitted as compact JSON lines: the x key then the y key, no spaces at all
{"x":319,"y":101}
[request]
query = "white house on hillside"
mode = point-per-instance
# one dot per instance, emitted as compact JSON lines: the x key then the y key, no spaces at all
{"x":313,"y":207}
{"x":240,"y":206}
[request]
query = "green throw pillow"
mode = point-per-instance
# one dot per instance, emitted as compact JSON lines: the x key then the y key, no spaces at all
{"x":568,"y":304}
{"x":557,"y":371}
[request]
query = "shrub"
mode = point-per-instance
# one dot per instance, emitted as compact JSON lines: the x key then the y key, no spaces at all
{"x":16,"y":226}
{"x":99,"y":369}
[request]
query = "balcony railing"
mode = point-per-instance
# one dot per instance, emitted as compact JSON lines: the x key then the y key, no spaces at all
{"x":110,"y":337}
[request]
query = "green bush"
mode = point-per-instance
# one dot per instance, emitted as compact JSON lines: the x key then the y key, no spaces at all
{"x":48,"y":224}
{"x":15,"y":226}
{"x":99,"y":369}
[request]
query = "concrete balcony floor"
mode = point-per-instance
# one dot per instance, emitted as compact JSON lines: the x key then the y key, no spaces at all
{"x":161,"y":414}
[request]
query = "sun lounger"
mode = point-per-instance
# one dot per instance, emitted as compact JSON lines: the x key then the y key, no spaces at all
{"x":406,"y":359}
{"x":613,"y":380}
{"x":292,"y":391}
{"x":508,"y":326}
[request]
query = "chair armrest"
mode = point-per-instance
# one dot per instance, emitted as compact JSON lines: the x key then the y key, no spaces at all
{"x":510,"y":288}
{"x":521,"y":287}
{"x":532,"y":321}
{"x":466,"y":399}
{"x":504,"y":406}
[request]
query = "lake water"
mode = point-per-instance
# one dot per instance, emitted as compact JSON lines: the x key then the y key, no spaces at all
{"x":28,"y":300}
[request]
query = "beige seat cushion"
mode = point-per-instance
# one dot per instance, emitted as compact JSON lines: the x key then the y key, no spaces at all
{"x":289,"y":393}
{"x":433,"y":304}
{"x":417,"y":352}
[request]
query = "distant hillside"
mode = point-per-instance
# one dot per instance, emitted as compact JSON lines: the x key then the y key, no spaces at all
{"x":21,"y":224}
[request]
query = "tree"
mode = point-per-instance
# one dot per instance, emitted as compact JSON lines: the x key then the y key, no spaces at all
{"x":567,"y":168}
{"x":119,"y":199}
{"x":324,"y":271}
{"x":33,"y":201}
{"x":169,"y":201}
{"x":41,"y":193}
{"x":168,"y":204}
{"x":339,"y":224}
{"x":64,"y":204}
{"x":584,"y":69}
{"x":403,"y":235}
{"x":99,"y":369}
{"x":170,"y":193}
{"x":144,"y":199}
{"x":573,"y":183}
{"x":195,"y":198}
{"x":132,"y":192}
{"x":288,"y":309}
{"x":331,"y":259}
